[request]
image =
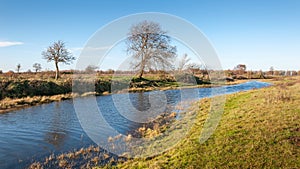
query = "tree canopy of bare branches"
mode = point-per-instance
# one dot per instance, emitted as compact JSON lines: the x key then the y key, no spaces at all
{"x":58,"y":53}
{"x":183,"y":62}
{"x":150,"y":47}
{"x":37,"y":67}
{"x":91,"y":68}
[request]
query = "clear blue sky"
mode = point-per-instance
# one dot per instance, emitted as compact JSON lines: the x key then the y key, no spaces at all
{"x":258,"y":33}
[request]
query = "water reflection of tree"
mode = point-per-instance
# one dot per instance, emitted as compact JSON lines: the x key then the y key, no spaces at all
{"x":56,"y":134}
{"x":142,"y":102}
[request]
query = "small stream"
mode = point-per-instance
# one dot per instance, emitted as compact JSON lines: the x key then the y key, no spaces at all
{"x":31,"y":134}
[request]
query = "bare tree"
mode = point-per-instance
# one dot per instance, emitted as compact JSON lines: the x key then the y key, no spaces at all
{"x":240,"y":68}
{"x":271,"y":71}
{"x":18,"y":67}
{"x":91,"y":68}
{"x":193,"y":67}
{"x":150,"y":47}
{"x":37,"y":67}
{"x":183,"y":62}
{"x":57,"y":52}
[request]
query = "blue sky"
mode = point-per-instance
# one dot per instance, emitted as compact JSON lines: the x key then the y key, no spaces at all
{"x":257,"y":33}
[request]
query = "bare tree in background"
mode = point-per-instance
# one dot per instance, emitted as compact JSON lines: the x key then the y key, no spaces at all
{"x":271,"y":71}
{"x":57,"y":52}
{"x":37,"y":67}
{"x":183,"y":62}
{"x":91,"y":68}
{"x":150,"y":47}
{"x":240,"y":68}
{"x":193,"y":67}
{"x":18,"y":67}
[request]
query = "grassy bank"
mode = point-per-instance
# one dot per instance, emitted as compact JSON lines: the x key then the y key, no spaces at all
{"x":259,"y":129}
{"x":19,"y":93}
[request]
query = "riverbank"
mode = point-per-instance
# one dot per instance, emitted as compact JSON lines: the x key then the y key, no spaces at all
{"x":8,"y":104}
{"x":25,"y":93}
{"x":259,"y":129}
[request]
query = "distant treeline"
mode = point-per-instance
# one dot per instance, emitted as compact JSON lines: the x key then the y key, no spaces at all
{"x":238,"y":71}
{"x":243,"y":74}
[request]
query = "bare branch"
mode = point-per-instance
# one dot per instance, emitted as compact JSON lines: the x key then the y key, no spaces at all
{"x":150,"y":47}
{"x":57,"y":52}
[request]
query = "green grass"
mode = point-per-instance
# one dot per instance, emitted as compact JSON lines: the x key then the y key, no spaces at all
{"x":259,"y":129}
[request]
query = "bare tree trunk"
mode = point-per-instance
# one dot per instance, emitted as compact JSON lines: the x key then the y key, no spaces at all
{"x":142,"y":67}
{"x":57,"y":71}
{"x":142,"y":70}
{"x":141,"y":73}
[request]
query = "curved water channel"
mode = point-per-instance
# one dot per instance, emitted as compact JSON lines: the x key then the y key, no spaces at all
{"x":36,"y":132}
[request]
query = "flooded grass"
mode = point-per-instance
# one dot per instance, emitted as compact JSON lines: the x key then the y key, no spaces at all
{"x":83,"y":158}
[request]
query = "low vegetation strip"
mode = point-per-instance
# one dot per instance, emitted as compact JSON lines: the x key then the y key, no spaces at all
{"x":9,"y":104}
{"x":24,"y":88}
{"x":25,"y":91}
{"x":259,"y":129}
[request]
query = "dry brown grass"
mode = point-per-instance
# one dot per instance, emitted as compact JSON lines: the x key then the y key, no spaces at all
{"x":9,"y":104}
